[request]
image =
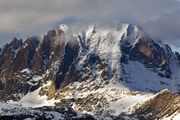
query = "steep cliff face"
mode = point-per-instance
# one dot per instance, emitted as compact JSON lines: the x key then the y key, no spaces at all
{"x":24,"y":65}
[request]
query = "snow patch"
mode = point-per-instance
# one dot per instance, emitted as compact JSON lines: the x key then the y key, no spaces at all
{"x":63,"y":27}
{"x":26,"y":70}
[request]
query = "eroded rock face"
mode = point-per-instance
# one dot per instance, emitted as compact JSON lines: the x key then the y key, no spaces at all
{"x":149,"y":53}
{"x":22,"y":62}
{"x":163,"y":104}
{"x":65,"y":74}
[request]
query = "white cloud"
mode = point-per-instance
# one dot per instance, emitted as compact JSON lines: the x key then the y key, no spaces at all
{"x":160,"y":18}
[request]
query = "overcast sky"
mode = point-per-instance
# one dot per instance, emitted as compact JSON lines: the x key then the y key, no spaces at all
{"x":20,"y":18}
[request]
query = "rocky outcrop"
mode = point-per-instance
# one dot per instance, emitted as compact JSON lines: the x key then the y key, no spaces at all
{"x":164,"y":104}
{"x":21,"y":62}
{"x":65,"y":74}
{"x":10,"y":112}
{"x":149,"y":53}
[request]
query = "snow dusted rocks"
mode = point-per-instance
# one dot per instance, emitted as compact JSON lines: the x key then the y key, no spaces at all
{"x":63,"y":27}
{"x":15,"y":112}
{"x":164,"y":104}
{"x":103,"y":71}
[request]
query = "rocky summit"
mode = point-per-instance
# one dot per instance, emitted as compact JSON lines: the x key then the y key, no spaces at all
{"x":101,"y":72}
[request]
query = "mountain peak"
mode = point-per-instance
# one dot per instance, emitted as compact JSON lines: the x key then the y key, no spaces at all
{"x":63,"y":27}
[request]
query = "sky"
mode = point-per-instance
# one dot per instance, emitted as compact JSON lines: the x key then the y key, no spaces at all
{"x":21,"y":18}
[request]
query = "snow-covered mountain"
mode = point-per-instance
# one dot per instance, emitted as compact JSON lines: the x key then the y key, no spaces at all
{"x":108,"y":72}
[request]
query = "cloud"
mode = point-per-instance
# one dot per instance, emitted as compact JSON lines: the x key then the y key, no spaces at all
{"x":159,"y":18}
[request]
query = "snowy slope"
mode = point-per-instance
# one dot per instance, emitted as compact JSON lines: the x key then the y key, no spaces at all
{"x":111,"y":100}
{"x":107,"y":43}
{"x":101,"y":101}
